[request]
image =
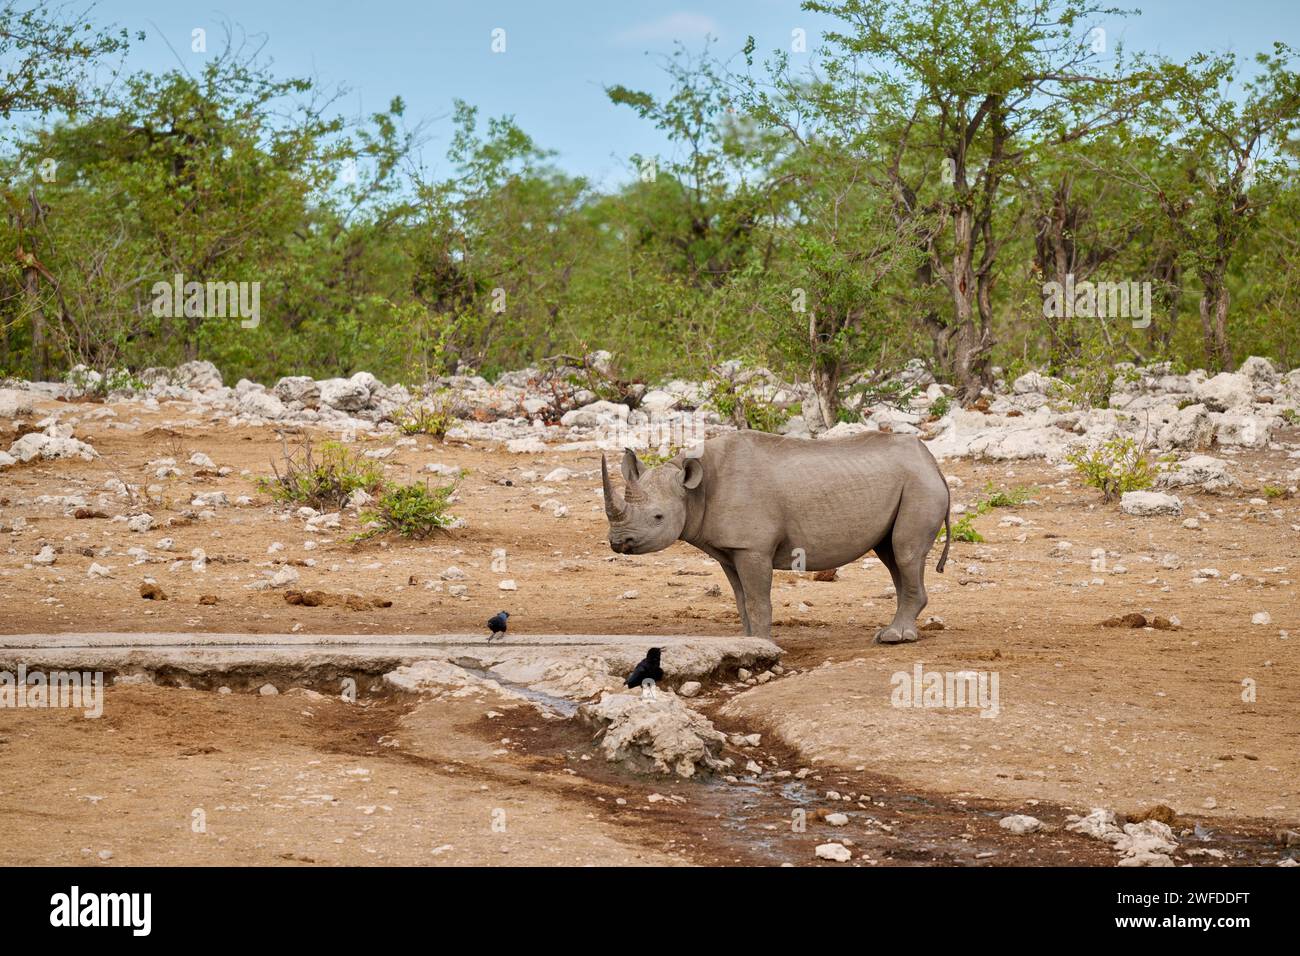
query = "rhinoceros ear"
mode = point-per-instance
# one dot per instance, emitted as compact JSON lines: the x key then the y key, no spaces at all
{"x":632,"y":467}
{"x":692,"y":473}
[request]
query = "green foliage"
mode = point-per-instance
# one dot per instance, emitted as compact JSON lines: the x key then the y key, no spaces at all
{"x":964,"y":528}
{"x":652,"y":458}
{"x":90,"y":383}
{"x":739,"y":403}
{"x":998,"y":498}
{"x":411,"y":511}
{"x":1084,"y":388}
{"x":47,"y":54}
{"x":941,"y":406}
{"x":828,"y":217}
{"x":1274,"y":491}
{"x":426,"y":416}
{"x":322,"y":481}
{"x":1116,"y":466}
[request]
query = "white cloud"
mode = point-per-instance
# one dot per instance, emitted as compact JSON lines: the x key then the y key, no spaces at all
{"x":675,"y":26}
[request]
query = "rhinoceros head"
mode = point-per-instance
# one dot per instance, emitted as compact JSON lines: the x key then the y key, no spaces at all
{"x":651,"y":512}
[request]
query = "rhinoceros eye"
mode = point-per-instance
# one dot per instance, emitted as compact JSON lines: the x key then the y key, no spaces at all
{"x":659,"y":517}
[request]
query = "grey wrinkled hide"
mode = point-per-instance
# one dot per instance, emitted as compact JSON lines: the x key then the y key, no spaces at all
{"x":755,"y":502}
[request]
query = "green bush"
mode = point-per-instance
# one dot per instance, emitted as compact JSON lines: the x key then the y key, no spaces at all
{"x":964,"y":528}
{"x":737,"y":403}
{"x":412,"y":511}
{"x":1084,"y":388}
{"x":323,"y":481}
{"x":428,"y":416}
{"x":997,"y":498}
{"x":1116,"y":466}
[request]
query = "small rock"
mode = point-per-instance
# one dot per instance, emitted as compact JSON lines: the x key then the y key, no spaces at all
{"x":837,"y":852}
{"x":1145,"y":504}
{"x":139,"y":523}
{"x":1020,"y":824}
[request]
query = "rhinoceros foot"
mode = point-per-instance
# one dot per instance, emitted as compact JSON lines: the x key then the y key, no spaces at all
{"x":892,"y":635}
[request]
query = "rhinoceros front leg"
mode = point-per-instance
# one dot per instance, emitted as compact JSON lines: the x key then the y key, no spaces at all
{"x":739,"y":591}
{"x":755,"y":571}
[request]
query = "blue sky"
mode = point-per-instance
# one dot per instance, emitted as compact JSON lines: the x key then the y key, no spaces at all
{"x":561,"y":53}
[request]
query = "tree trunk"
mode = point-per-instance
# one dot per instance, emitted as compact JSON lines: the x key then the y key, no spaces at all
{"x":1214,"y":321}
{"x":966,"y":349}
{"x":1054,"y":248}
{"x":191,"y":326}
{"x":824,"y":372}
{"x":1168,"y":274}
{"x":32,"y":288}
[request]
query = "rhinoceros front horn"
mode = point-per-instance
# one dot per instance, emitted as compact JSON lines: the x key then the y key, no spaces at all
{"x":615,"y":507}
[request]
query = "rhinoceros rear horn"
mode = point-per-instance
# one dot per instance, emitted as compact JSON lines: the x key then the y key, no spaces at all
{"x":615,"y":507}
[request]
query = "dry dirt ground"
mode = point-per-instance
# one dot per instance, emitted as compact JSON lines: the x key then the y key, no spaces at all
{"x":1204,"y":718}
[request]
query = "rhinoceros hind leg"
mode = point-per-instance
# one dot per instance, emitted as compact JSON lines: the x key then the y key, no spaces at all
{"x":904,"y":555}
{"x":892,"y":634}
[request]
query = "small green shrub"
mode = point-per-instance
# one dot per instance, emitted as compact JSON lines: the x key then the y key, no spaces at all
{"x":997,"y":498}
{"x":115,"y":380}
{"x":893,"y":392}
{"x":411,"y":511}
{"x":964,"y":529}
{"x":653,"y":458}
{"x":1116,"y":466}
{"x":429,"y":416}
{"x":737,"y":403}
{"x":1085,"y":388}
{"x":941,"y":406}
{"x":323,"y":481}
{"x":1273,"y":491}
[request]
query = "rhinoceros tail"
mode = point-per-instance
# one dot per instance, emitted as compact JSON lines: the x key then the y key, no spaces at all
{"x":947,"y":540}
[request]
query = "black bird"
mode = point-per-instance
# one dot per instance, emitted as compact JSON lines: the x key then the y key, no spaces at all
{"x":647,"y":669}
{"x":498,"y":624}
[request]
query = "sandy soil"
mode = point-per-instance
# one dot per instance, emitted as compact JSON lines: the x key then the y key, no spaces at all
{"x":1089,"y":716}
